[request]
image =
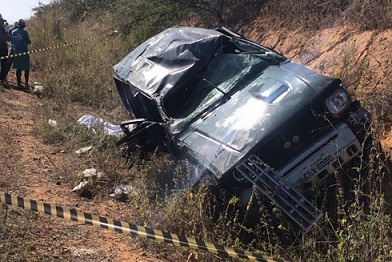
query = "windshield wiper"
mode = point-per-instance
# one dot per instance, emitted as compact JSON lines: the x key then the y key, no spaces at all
{"x":217,"y":88}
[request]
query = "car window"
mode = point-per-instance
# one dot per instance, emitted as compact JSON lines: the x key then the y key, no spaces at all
{"x":226,"y":73}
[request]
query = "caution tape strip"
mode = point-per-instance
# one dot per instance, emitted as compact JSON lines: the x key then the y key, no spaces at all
{"x":58,"y":46}
{"x":132,"y":229}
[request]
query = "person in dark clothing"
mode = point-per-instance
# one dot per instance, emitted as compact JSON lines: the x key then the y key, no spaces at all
{"x":10,"y":59}
{"x":20,"y":42}
{"x":4,"y":37}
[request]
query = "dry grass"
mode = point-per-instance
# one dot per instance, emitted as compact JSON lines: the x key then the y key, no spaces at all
{"x":83,"y":84}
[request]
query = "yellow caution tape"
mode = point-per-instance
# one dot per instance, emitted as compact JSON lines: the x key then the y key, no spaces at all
{"x":134,"y":230}
{"x":57,"y":46}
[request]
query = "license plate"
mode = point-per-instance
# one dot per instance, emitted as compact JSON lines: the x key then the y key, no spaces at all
{"x":319,"y":165}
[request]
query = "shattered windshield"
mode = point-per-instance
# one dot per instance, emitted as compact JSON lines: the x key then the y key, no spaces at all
{"x":225,"y":74}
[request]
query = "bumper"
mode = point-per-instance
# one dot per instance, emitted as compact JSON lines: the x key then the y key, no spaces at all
{"x":325,"y":156}
{"x":329,"y":153}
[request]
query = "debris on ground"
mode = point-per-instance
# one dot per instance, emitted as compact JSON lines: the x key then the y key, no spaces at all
{"x":121,"y":193}
{"x":89,"y":175}
{"x":95,"y":123}
{"x":52,"y":123}
{"x":38,"y":88}
{"x":83,"y":150}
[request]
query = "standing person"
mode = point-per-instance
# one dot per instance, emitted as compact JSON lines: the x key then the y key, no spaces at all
{"x":20,"y":42}
{"x":4,"y":37}
{"x":10,"y":59}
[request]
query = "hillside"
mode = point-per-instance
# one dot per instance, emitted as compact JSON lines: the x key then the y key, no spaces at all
{"x":39,"y":161}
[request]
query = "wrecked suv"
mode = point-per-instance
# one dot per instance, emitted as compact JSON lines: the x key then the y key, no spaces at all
{"x":244,"y":115}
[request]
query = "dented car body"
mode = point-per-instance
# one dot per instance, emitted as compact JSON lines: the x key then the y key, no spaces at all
{"x":242,"y":113}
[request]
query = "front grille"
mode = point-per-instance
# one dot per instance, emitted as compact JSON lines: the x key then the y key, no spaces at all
{"x":292,"y":202}
{"x":307,"y":129}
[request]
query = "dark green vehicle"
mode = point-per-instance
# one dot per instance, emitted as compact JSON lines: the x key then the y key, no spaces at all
{"x":243,"y":114}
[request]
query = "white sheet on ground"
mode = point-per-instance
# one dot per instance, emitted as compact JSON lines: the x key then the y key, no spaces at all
{"x":94,"y":123}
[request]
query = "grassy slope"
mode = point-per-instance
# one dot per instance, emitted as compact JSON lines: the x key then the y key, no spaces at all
{"x":83,"y":84}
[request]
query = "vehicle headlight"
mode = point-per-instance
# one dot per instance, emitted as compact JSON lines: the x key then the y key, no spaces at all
{"x":337,"y":102}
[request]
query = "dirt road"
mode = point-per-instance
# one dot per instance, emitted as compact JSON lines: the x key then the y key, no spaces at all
{"x":32,"y":169}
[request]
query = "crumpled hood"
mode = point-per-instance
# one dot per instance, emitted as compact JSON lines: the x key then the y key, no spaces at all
{"x":269,"y":103}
